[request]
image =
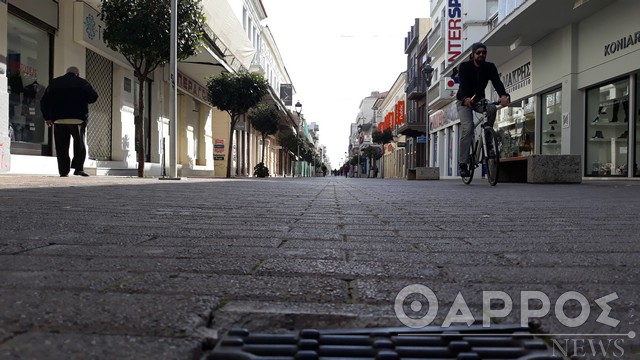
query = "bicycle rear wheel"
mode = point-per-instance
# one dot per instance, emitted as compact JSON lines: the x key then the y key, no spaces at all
{"x":492,"y":156}
{"x":471,"y":166}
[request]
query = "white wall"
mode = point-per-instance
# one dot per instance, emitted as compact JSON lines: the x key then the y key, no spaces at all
{"x":594,"y":34}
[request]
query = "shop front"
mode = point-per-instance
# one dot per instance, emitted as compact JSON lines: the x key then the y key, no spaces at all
{"x":29,"y":49}
{"x":444,"y":139}
{"x":609,"y":71}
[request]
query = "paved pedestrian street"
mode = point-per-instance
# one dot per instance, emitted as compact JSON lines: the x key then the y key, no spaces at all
{"x":128,"y":268}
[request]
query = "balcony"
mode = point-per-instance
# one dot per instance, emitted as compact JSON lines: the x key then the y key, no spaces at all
{"x":259,"y":63}
{"x":415,"y":88}
{"x":414,"y":124}
{"x":436,"y":37}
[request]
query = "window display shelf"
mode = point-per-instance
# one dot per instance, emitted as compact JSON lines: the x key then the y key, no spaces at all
{"x":609,"y":140}
{"x":551,"y":131}
{"x":555,"y":144}
{"x":617,"y":123}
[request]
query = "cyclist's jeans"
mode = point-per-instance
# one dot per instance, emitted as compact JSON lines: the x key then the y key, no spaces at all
{"x":466,"y":127}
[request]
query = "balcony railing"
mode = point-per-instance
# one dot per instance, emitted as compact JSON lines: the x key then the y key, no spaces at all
{"x":493,"y":22}
{"x":415,"y":88}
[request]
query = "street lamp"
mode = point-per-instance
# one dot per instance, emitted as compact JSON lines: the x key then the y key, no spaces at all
{"x":427,"y":71}
{"x":298,"y":107}
{"x":359,"y":144}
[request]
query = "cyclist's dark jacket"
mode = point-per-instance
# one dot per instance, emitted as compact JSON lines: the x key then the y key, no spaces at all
{"x":473,"y":80}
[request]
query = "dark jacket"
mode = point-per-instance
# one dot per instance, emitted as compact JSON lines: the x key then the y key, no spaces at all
{"x":473,"y":80}
{"x":67,"y":97}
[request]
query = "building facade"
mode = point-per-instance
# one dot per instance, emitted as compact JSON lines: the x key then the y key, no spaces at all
{"x":573,"y":84}
{"x":40,"y":40}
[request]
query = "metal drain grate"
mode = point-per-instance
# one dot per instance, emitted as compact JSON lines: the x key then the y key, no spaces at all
{"x":460,"y":343}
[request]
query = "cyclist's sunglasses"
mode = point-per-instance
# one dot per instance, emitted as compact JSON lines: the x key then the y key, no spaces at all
{"x":481,"y":52}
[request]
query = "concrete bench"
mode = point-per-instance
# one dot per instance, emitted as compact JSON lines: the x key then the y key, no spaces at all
{"x":424,"y":173}
{"x":513,"y":169}
{"x":554,"y":169}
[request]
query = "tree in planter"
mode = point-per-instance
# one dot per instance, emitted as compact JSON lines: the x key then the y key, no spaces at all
{"x":140,"y":31}
{"x":382,"y":138}
{"x":236,"y":94}
{"x":373,"y":153}
{"x":264,"y":119}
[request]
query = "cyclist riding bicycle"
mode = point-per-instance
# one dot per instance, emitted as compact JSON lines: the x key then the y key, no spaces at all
{"x":474,"y":75}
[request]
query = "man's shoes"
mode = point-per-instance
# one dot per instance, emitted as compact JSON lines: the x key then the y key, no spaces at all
{"x":80,"y":173}
{"x":65,"y":175}
{"x":464,"y":171}
{"x":553,"y":122}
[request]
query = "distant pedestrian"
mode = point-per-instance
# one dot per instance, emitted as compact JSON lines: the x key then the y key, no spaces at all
{"x":346,"y":170}
{"x":65,"y":106}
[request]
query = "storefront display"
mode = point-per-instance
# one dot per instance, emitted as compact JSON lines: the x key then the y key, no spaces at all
{"x":516,"y":127}
{"x":608,"y":129}
{"x":636,"y":113}
{"x":28,"y":76}
{"x":551,"y":123}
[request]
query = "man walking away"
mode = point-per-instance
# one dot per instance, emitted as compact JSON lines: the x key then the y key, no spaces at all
{"x":65,"y":105}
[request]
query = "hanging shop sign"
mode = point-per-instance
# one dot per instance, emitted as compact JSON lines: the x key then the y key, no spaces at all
{"x":286,"y":94}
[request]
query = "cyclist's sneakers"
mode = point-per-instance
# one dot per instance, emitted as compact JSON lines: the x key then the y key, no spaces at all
{"x":464,"y":171}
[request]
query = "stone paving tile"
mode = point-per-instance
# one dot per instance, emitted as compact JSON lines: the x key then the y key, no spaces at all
{"x":164,"y":259}
{"x":290,"y":287}
{"x":23,"y":310}
{"x":56,"y":346}
{"x":213,"y":265}
{"x":347,"y":269}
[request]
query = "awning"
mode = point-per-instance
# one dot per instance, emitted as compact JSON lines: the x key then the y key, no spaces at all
{"x":227,"y":32}
{"x":203,"y":65}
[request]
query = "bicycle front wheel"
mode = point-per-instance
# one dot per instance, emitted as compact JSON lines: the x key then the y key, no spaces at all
{"x":492,"y":156}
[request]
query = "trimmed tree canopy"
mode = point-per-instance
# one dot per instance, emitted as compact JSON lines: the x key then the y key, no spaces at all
{"x":236,"y":94}
{"x":141,"y":30}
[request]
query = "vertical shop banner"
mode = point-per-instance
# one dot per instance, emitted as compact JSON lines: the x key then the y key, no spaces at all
{"x":286,"y":94}
{"x":454,"y":40}
{"x":218,"y":149}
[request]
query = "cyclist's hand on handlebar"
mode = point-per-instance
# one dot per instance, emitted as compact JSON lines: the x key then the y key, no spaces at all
{"x":468,"y":102}
{"x":504,"y":100}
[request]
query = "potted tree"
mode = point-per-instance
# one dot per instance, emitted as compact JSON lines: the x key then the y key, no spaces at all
{"x":264,"y":119}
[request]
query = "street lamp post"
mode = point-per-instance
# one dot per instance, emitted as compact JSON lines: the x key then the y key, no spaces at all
{"x":359,"y":144}
{"x":427,"y":71}
{"x":298,"y":107}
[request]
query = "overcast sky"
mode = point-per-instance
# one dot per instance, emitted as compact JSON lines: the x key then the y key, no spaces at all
{"x":337,"y":52}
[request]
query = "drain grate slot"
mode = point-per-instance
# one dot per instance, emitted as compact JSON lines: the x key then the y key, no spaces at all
{"x":459,"y":343}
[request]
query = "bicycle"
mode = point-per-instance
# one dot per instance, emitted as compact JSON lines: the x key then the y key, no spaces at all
{"x":484,"y":149}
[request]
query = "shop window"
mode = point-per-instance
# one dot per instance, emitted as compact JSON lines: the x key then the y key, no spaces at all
{"x":551,"y":122}
{"x":516,"y":128}
{"x":608,"y":129}
{"x":28,"y":75}
{"x":635,"y":114}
